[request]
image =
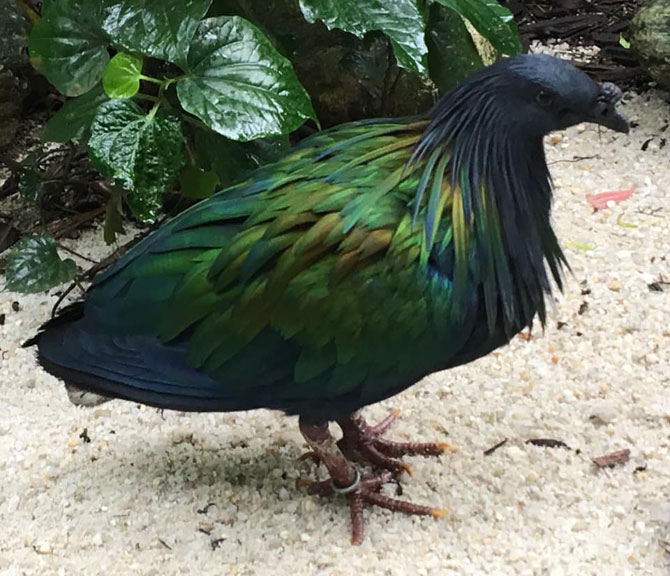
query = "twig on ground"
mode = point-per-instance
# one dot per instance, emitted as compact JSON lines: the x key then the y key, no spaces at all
{"x":492,"y":449}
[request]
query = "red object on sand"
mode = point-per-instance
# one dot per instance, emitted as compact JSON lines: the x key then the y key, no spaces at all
{"x":600,"y":200}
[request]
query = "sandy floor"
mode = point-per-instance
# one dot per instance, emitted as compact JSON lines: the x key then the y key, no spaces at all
{"x":122,"y":489}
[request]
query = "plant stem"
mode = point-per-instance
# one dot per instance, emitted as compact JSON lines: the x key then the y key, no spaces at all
{"x":75,"y":253}
{"x":152,"y":80}
{"x":169,"y":81}
{"x":154,"y":109}
{"x":148,"y":97}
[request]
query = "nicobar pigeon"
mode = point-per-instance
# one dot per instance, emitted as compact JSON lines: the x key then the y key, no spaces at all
{"x":370,"y":255}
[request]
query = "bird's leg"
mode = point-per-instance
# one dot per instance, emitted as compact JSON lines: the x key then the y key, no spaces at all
{"x":361,"y":438}
{"x":325,"y":450}
{"x":345,"y":479}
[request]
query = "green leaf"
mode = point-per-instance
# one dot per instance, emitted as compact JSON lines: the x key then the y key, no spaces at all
{"x":238,"y":84}
{"x":113,"y":218}
{"x":400,"y":20}
{"x":155,"y":28}
{"x":121,"y":77}
{"x":265,"y":150}
{"x":579,"y":245}
{"x":232,"y":161}
{"x":493,"y":21}
{"x":31,"y":186}
{"x":198,"y":183}
{"x":33,"y":265}
{"x":68,"y":46}
{"x":623,"y":42}
{"x":226,"y":158}
{"x":74,"y":116}
{"x":142,"y":152}
{"x":452,"y":54}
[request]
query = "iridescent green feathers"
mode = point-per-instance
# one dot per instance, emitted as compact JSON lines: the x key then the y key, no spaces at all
{"x":331,"y":248}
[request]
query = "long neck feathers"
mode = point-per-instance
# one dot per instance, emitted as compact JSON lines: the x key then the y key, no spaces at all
{"x":497,"y":186}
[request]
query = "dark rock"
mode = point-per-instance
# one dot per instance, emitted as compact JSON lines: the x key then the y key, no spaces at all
{"x":13,"y":59}
{"x":650,"y":39}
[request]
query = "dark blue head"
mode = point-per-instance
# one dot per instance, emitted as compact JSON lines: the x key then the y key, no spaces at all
{"x":545,"y":93}
{"x":532,"y":95}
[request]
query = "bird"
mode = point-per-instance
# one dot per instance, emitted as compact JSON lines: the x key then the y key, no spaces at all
{"x":369,"y":256}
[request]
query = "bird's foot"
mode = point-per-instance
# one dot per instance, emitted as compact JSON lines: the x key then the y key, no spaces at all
{"x":346,"y":480}
{"x":365,"y":490}
{"x":360,"y":438}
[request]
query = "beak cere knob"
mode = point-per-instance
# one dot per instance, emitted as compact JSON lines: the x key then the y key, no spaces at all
{"x":610,"y":93}
{"x":605,"y":112}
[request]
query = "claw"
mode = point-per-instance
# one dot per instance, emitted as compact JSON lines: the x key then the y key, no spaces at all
{"x":303,"y":482}
{"x":311,"y":455}
{"x":446,"y":447}
{"x":381,"y":427}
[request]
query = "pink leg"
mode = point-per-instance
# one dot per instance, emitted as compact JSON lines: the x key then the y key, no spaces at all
{"x":346,"y":480}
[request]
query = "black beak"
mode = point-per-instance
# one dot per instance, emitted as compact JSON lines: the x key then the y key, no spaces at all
{"x":606,"y":114}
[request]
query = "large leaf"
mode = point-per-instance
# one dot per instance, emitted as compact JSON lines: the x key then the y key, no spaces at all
{"x":238,"y":84}
{"x":493,"y":21}
{"x":68,"y":46}
{"x":74,"y":116}
{"x":222,"y":156}
{"x":142,"y":152}
{"x":34,"y":265}
{"x":400,"y":20}
{"x":452,"y":54}
{"x":121,"y":77}
{"x":198,"y":183}
{"x":156,"y":28}
{"x":232,"y":161}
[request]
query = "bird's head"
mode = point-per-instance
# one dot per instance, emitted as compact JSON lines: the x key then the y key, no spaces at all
{"x":526,"y":97}
{"x":542,"y":93}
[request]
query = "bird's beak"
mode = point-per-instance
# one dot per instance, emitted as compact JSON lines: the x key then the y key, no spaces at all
{"x":606,"y":114}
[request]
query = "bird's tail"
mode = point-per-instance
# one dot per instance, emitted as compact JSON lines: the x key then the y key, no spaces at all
{"x":97,"y":366}
{"x":77,"y":395}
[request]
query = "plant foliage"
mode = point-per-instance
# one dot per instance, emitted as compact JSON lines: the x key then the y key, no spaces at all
{"x":164,"y":96}
{"x":34,"y":265}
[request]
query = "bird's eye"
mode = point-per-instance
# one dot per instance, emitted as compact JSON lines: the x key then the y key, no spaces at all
{"x":544,"y":98}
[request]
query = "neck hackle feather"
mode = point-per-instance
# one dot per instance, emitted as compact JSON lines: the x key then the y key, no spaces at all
{"x":493,"y":185}
{"x":499,"y":188}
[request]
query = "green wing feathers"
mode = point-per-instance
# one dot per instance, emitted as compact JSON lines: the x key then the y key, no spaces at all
{"x":326,"y":248}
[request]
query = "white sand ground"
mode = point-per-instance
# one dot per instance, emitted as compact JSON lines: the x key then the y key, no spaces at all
{"x":214,"y":494}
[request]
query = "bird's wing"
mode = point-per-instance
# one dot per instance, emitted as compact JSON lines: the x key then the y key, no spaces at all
{"x":311,"y":281}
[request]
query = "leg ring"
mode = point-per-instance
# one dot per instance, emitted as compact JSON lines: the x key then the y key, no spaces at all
{"x":347,"y":489}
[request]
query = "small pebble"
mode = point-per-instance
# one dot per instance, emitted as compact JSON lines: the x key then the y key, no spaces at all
{"x":43,"y":548}
{"x":603,"y":413}
{"x":181,"y":435}
{"x":515,"y":453}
